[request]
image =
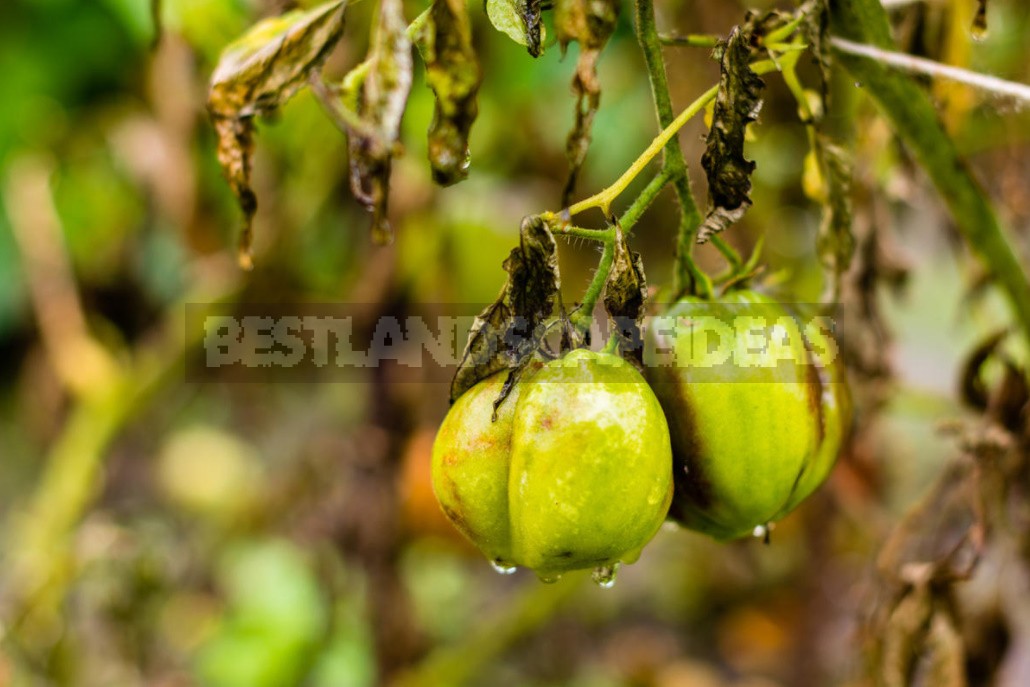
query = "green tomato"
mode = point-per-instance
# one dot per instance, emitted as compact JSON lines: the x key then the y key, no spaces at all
{"x":576,"y":471}
{"x":757,"y":405}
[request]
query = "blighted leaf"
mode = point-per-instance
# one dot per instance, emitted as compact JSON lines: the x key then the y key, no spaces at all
{"x":257,"y":74}
{"x":509,"y":331}
{"x":736,"y":105}
{"x":590,"y":23}
{"x":624,"y":296}
{"x":836,"y":241}
{"x":380,"y":102}
{"x":520,"y":20}
{"x":452,"y":71}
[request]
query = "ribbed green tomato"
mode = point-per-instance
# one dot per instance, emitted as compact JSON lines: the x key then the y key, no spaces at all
{"x":576,"y":472}
{"x":757,"y":405}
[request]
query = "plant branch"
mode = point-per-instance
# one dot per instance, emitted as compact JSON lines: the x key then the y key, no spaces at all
{"x":921,"y":65}
{"x":693,"y":40}
{"x":585,"y":314}
{"x":915,"y":120}
{"x":686,"y":274}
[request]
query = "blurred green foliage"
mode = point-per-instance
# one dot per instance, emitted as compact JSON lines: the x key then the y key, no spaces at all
{"x":227,"y":542}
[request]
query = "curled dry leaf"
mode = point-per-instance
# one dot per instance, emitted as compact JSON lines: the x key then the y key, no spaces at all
{"x":590,"y":23}
{"x":510,"y":330}
{"x":624,"y":296}
{"x":452,"y":71}
{"x":736,"y":105}
{"x":520,"y":20}
{"x":257,"y":74}
{"x":380,"y":100}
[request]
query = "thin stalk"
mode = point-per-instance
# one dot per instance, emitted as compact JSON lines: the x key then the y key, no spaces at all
{"x":686,"y":272}
{"x":581,"y":318}
{"x":639,"y":206}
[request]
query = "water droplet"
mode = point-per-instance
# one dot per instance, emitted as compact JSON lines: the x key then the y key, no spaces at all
{"x":671,"y":526}
{"x":858,"y":84}
{"x":467,"y":162}
{"x":979,"y":33}
{"x":500,"y":567}
{"x":549,"y":579}
{"x":604,"y":576}
{"x":759,"y":532}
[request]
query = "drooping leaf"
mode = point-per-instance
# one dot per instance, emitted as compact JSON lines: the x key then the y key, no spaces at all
{"x":510,"y":330}
{"x":624,"y":296}
{"x":380,"y":102}
{"x":736,"y":105}
{"x":257,"y":74}
{"x":520,"y":20}
{"x":589,"y":23}
{"x":452,"y":71}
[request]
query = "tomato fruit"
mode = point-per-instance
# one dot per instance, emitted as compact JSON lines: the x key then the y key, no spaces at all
{"x":576,"y":471}
{"x":758,"y":408}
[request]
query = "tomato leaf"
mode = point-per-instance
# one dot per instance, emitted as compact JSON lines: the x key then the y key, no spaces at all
{"x":624,"y":296}
{"x":510,"y":330}
{"x":453,"y":73}
{"x":520,"y":20}
{"x":257,"y":74}
{"x":736,"y":105}
{"x":380,"y":101}
{"x":589,"y":23}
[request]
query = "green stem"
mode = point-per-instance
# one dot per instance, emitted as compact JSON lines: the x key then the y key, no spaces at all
{"x":915,"y":120}
{"x":639,"y":206}
{"x":585,"y":314}
{"x":686,"y":272}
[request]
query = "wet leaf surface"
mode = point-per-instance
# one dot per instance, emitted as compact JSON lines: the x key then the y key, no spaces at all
{"x":453,"y":73}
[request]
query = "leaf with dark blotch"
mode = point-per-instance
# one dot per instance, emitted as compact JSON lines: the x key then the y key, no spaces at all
{"x":520,"y":20}
{"x":509,"y":331}
{"x":452,"y":71}
{"x":380,"y":102}
{"x":836,"y":241}
{"x":736,"y":105}
{"x":589,"y":23}
{"x":624,"y":296}
{"x":257,"y":74}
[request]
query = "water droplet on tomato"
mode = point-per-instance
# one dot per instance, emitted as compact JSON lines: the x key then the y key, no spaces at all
{"x":604,"y":576}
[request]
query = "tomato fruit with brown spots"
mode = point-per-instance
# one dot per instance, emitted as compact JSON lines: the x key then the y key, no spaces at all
{"x":575,"y":472}
{"x":758,"y":408}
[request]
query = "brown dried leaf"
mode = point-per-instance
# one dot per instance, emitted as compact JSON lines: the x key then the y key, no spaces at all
{"x":381,"y":100}
{"x":590,"y":23}
{"x":624,"y":296}
{"x":452,"y":71}
{"x":736,"y":105}
{"x":509,"y":331}
{"x":257,"y":74}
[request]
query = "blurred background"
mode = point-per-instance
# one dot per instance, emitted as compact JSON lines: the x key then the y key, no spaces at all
{"x":159,"y":532}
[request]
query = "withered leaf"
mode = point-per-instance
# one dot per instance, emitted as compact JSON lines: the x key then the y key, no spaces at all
{"x":380,"y":101}
{"x":590,"y":23}
{"x":520,"y":20}
{"x":624,"y":296}
{"x":507,"y":333}
{"x":452,"y":71}
{"x":736,"y":105}
{"x":257,"y":74}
